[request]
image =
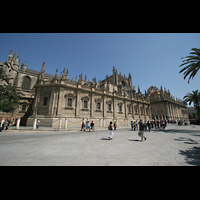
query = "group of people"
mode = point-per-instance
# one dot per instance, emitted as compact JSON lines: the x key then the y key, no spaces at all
{"x":88,"y":126}
{"x":181,"y":122}
{"x":142,"y":128}
{"x":149,"y":125}
{"x":134,"y":126}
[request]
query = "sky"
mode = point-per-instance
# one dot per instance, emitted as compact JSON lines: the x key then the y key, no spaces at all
{"x":151,"y":58}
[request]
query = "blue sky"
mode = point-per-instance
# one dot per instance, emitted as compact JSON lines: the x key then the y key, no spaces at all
{"x":151,"y":58}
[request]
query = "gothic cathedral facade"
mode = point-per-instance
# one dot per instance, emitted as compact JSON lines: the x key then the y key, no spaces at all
{"x":51,"y":98}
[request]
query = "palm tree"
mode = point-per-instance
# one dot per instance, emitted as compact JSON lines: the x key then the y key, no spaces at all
{"x":192,"y":64}
{"x":195,"y":98}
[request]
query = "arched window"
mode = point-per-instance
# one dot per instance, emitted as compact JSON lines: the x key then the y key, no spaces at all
{"x":26,"y":83}
{"x":123,"y":84}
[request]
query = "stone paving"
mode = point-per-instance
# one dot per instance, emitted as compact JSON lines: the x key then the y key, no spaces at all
{"x":174,"y":146}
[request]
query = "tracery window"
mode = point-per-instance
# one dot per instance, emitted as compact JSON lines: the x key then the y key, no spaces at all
{"x":26,"y":83}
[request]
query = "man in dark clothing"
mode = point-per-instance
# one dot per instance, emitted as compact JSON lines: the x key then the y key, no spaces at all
{"x":92,"y":125}
{"x":149,"y":125}
{"x":141,"y":129}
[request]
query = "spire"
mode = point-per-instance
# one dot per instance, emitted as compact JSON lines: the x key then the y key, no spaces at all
{"x":113,"y":69}
{"x":17,"y":61}
{"x":56,"y":75}
{"x":43,"y":67}
{"x":138,"y":89}
{"x":67,"y":74}
{"x":10,"y":56}
{"x":64,"y":71}
{"x":80,"y":78}
{"x":14,"y":57}
{"x":11,"y":52}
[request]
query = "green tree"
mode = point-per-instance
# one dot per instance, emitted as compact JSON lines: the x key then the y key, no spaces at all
{"x":192,"y":64}
{"x":195,"y":98}
{"x":9,"y":97}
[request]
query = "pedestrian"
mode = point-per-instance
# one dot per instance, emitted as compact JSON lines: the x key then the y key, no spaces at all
{"x":158,"y":124}
{"x":92,"y":126}
{"x":136,"y":125}
{"x":0,"y":127}
{"x":132,"y":125}
{"x":83,"y":127}
{"x":163,"y":124}
{"x":115,"y":125}
{"x":87,"y":126}
{"x":141,"y":129}
{"x":8,"y":124}
{"x":149,"y":126}
{"x":110,"y":128}
{"x":155,"y":124}
{"x":38,"y":123}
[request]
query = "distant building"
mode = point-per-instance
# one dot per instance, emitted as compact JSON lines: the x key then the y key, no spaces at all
{"x":164,"y":105}
{"x":50,"y":98}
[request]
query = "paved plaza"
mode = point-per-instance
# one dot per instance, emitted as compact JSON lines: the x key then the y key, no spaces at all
{"x":175,"y":146}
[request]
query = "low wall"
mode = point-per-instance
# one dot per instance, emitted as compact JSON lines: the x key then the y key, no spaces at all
{"x":77,"y":122}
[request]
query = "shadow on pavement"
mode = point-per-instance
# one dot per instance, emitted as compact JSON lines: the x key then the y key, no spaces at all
{"x":187,"y":140}
{"x":192,"y":155}
{"x":177,"y":131}
{"x":104,"y":139}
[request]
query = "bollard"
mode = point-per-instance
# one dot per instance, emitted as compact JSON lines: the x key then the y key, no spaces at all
{"x":18,"y":122}
{"x":2,"y":121}
{"x":65,"y":123}
{"x":34,"y":123}
{"x":60,"y":123}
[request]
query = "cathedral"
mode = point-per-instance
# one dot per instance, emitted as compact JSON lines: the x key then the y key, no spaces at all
{"x":55,"y":99}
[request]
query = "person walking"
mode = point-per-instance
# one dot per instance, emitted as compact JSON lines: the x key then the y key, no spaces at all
{"x":87,"y":126}
{"x":132,"y":125}
{"x":149,"y":126}
{"x":141,"y":129}
{"x":38,"y":123}
{"x":115,"y":125}
{"x":110,"y":128}
{"x":83,"y":127}
{"x":92,"y":126}
{"x":136,"y":123}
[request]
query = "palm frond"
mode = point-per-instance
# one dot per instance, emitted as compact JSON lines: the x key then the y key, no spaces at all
{"x":191,"y":63}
